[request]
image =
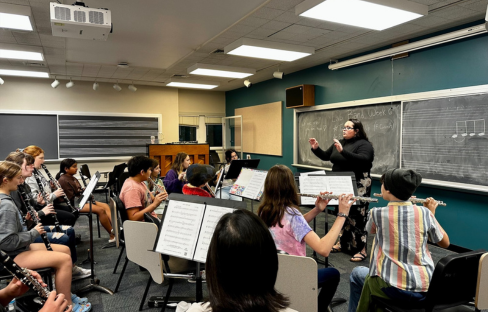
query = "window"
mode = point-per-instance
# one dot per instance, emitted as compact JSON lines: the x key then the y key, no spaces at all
{"x":214,"y":135}
{"x":188,"y":133}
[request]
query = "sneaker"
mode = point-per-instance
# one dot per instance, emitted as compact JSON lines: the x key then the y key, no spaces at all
{"x":80,"y":273}
{"x":111,"y":240}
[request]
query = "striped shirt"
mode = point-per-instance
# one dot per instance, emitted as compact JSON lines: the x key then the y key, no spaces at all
{"x":400,"y":254}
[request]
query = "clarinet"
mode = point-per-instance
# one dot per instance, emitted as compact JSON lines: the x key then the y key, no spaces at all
{"x":24,"y":276}
{"x":56,"y":183}
{"x":44,"y":195}
{"x":34,"y":216}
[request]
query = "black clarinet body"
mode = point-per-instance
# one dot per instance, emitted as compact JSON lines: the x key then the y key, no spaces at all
{"x":34,"y":216}
{"x":44,"y":195}
{"x":58,"y":186}
{"x":24,"y":276}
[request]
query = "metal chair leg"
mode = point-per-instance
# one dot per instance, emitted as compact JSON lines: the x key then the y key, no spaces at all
{"x":143,"y":300}
{"x":118,"y":260}
{"x":121,"y":275}
{"x":98,"y":226}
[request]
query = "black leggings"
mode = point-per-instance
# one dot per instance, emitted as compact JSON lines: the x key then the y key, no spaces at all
{"x":63,"y":213}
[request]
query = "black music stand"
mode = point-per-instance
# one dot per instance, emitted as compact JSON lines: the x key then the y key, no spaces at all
{"x":237,"y":165}
{"x":94,"y":281}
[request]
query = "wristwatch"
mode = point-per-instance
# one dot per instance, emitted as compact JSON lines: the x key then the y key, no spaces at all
{"x":340,"y":214}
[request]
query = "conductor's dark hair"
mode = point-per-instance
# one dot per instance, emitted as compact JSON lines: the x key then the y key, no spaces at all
{"x":358,"y":125}
{"x":228,"y":154}
{"x":65,"y":163}
{"x":242,"y":240}
{"x":138,"y":163}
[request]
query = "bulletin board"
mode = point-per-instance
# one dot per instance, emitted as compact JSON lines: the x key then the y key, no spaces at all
{"x":262,"y":127}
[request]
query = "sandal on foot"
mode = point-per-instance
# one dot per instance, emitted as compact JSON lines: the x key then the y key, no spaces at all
{"x":78,"y":300}
{"x":81,"y":307}
{"x":335,"y":249}
{"x":358,"y":257}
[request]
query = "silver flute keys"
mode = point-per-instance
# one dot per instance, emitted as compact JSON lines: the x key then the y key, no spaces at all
{"x":334,"y":196}
{"x":416,"y":200}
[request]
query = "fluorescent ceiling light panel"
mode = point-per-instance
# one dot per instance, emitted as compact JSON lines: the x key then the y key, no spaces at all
{"x":371,"y":14}
{"x":21,"y":55}
{"x":23,"y":73}
{"x":15,"y":17}
{"x":193,"y":84}
{"x":220,"y":71}
{"x":268,"y":50}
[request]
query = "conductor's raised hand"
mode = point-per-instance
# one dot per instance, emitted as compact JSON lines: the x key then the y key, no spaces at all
{"x":431,"y":204}
{"x":313,"y":143}
{"x":345,"y":203}
{"x":338,"y":145}
{"x":321,"y":203}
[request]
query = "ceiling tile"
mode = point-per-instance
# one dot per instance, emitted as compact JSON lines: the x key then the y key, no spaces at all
{"x":122,"y":72}
{"x":254,"y":21}
{"x":429,"y":21}
{"x":275,"y":25}
{"x":55,"y":60}
{"x":455,"y":12}
{"x":475,"y":5}
{"x":283,"y":4}
{"x":74,"y":69}
{"x":137,"y":73}
{"x":57,"y":69}
{"x":106,"y":71}
{"x":7,"y":36}
{"x":90,"y":70}
{"x":288,"y":17}
{"x":242,"y":29}
{"x":21,"y":2}
{"x":268,"y":13}
{"x":52,"y":42}
{"x":30,"y":38}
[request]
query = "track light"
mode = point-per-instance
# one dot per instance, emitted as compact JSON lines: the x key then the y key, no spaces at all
{"x":117,"y":87}
{"x":95,"y":86}
{"x":132,"y":88}
{"x":70,"y":84}
{"x":55,"y":83}
{"x":278,"y":74}
{"x":1,"y":81}
{"x":247,"y":83}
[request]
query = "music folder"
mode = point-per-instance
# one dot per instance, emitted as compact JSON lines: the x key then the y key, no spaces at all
{"x":237,"y":165}
{"x":188,"y":224}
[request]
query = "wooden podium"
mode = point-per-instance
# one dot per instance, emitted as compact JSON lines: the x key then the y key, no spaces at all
{"x":166,"y":153}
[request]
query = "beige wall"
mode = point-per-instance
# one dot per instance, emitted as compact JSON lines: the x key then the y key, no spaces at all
{"x":37,"y":95}
{"x":201,"y":102}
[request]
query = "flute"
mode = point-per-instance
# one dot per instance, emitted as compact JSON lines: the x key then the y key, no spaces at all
{"x":333,"y":196}
{"x":416,"y":200}
{"x":56,"y":183}
{"x":44,"y":195}
{"x":161,"y":189}
{"x":34,"y":216}
{"x":24,"y":276}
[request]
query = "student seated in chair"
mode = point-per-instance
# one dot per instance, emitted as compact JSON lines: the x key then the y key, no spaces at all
{"x":134,"y":193}
{"x":401,"y":265}
{"x":198,"y":176}
{"x":241,"y":267}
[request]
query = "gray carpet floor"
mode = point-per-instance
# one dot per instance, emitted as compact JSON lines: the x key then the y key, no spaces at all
{"x":134,"y":281}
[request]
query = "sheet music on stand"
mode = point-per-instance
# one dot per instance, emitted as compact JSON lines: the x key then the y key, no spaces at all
{"x":188,"y":226}
{"x":315,"y":183}
{"x":249,"y":184}
{"x":89,"y":189}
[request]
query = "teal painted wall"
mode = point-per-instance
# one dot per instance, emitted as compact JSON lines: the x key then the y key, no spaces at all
{"x":459,"y":64}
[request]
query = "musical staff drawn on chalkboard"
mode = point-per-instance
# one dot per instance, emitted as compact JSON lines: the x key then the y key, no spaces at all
{"x":463,"y":129}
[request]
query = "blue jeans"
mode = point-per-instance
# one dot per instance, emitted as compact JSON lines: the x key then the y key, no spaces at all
{"x":356,"y":279}
{"x":328,"y":280}
{"x":67,"y":239}
{"x":226,"y":195}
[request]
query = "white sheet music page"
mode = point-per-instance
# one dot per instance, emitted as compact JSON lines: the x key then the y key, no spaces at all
{"x":255,"y":184}
{"x":242,"y":181}
{"x":312,"y":185}
{"x":181,"y":225}
{"x":312,"y":172}
{"x":339,"y":185}
{"x":210,"y":220}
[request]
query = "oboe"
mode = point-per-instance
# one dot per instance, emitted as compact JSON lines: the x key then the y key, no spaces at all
{"x":44,"y":195}
{"x":58,"y":186}
{"x":34,"y":216}
{"x":24,"y":276}
{"x":334,"y":196}
{"x":416,"y":200}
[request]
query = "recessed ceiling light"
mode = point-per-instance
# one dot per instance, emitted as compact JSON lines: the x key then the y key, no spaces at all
{"x":220,"y":71}
{"x":15,"y":17}
{"x":371,"y":14}
{"x":23,"y":73}
{"x":21,"y":55}
{"x":193,"y":84}
{"x":268,"y":50}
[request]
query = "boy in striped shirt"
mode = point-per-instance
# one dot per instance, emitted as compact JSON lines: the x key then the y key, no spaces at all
{"x":401,"y":266}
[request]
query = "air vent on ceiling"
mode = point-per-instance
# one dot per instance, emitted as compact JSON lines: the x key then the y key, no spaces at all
{"x":180,"y":76}
{"x":34,"y":64}
{"x":218,"y":51}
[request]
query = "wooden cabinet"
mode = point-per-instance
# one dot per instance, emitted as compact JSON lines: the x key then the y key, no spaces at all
{"x":166,"y":153}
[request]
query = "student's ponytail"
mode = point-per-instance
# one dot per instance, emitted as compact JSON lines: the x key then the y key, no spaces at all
{"x":66,"y":163}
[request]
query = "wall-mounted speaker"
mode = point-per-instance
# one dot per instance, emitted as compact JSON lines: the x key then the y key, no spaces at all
{"x":300,"y":96}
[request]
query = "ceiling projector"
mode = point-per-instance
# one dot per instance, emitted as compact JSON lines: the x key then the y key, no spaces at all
{"x":79,"y":21}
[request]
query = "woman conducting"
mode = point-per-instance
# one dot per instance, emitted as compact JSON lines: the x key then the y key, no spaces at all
{"x":354,"y":153}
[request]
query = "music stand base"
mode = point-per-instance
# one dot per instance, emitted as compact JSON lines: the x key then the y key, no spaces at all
{"x":95,"y":285}
{"x":157,"y":301}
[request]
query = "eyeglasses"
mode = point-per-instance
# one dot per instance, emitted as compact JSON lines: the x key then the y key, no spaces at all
{"x":347,"y":128}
